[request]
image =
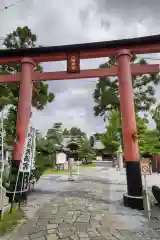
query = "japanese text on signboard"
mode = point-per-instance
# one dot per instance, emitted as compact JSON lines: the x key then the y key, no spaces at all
{"x":73,"y":63}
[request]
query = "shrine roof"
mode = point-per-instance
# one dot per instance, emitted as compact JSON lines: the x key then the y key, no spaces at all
{"x":154,"y":39}
{"x":98,"y":145}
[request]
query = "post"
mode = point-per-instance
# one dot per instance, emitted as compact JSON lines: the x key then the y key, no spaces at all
{"x":70,"y":163}
{"x":146,"y":199}
{"x":120,"y":158}
{"x":23,"y":117}
{"x":133,"y":198}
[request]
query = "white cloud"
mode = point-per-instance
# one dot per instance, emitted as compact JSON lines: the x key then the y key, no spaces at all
{"x":73,"y":21}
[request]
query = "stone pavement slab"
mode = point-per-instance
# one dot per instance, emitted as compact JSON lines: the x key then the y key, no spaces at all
{"x":87,"y":210}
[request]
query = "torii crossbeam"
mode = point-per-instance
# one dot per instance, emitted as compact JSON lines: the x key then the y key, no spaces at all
{"x":122,"y":50}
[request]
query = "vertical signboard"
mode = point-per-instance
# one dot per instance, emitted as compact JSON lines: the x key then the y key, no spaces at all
{"x":146,"y":170}
{"x":73,"y":62}
{"x":60,"y":158}
{"x":146,"y":167}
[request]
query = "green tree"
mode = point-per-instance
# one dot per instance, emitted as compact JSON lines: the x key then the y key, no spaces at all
{"x":86,"y":151}
{"x":53,"y":138}
{"x":106,"y":94}
{"x":111,"y":138}
{"x":10,"y":125}
{"x":113,"y":135}
{"x":142,"y":124}
{"x":43,"y":155}
{"x":74,"y":132}
{"x":55,"y":133}
{"x":22,"y":37}
{"x":155,"y":113}
{"x":150,"y":142}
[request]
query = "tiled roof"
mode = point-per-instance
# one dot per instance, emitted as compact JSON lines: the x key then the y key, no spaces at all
{"x":98,"y":145}
{"x":66,"y":140}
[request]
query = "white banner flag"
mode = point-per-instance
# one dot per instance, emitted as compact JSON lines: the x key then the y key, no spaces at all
{"x":33,"y":165}
{"x":25,"y":165}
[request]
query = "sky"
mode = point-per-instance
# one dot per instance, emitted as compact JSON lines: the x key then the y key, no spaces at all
{"x":78,"y":21}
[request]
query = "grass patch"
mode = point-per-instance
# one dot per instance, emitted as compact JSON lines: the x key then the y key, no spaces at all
{"x":55,"y":171}
{"x":89,"y":165}
{"x":10,"y":220}
{"x":65,"y":171}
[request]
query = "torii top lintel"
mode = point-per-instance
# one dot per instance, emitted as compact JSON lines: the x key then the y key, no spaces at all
{"x":142,"y":45}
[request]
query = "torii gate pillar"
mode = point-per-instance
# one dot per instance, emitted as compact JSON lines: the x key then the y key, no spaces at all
{"x":133,"y":198}
{"x":24,"y":107}
{"x":23,"y":117}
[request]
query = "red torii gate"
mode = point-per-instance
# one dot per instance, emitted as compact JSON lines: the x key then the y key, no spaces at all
{"x":123,"y":50}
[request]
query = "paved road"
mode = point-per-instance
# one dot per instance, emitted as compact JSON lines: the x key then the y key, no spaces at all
{"x":44,"y":191}
{"x":86,"y":209}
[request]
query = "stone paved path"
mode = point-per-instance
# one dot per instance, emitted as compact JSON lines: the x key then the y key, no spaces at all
{"x":87,"y":210}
